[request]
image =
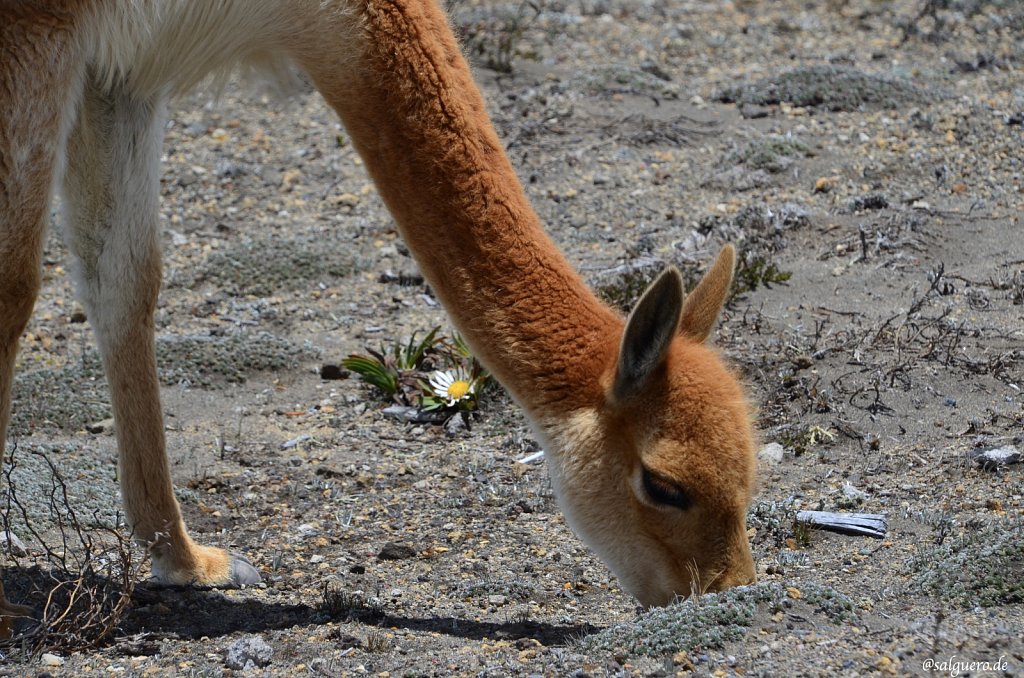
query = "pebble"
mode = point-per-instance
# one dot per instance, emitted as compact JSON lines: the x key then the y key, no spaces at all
{"x":308,"y":530}
{"x":455,"y":425}
{"x":51,"y":660}
{"x":395,"y":551}
{"x":101,"y":426}
{"x":9,"y":541}
{"x":248,"y":653}
{"x":332,"y":371}
{"x":852,"y":492}
{"x":771,"y":453}
{"x":995,"y":458}
{"x":287,"y":445}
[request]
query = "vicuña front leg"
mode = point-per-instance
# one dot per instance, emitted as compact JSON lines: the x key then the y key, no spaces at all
{"x":36,"y":71}
{"x":111,"y":190}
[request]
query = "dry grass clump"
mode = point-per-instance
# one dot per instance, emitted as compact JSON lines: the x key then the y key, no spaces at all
{"x":79,"y":583}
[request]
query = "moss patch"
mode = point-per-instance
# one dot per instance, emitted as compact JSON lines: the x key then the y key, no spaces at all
{"x":623,"y":79}
{"x":982,"y":567}
{"x":263,"y":267}
{"x":833,"y":88}
{"x":66,"y":398}
{"x":772,"y":154}
{"x":41,"y":399}
{"x":204,"y":360}
{"x":90,"y":479}
{"x":711,"y":621}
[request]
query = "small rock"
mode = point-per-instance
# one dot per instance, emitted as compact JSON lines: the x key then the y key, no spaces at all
{"x":455,"y":425}
{"x":753,"y":111}
{"x":824,"y":185}
{"x":851,"y":492}
{"x":995,"y":458}
{"x":412,"y":414}
{"x":871,"y":201}
{"x":289,"y":444}
{"x":496,"y":600}
{"x":649,"y":66}
{"x":100,"y":426}
{"x":51,"y":660}
{"x":331,"y":371}
{"x":10,"y":542}
{"x":308,"y":530}
{"x":395,"y":551}
{"x":771,"y":453}
{"x":248,"y":653}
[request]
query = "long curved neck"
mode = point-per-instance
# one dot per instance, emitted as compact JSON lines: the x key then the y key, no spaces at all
{"x":419,"y":122}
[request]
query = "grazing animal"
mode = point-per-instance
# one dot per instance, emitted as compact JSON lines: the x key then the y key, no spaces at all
{"x":647,"y":433}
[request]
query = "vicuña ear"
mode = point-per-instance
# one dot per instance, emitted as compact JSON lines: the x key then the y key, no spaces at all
{"x":704,"y":303}
{"x":649,"y":330}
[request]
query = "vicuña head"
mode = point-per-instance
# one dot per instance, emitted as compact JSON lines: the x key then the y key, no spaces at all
{"x":656,"y":475}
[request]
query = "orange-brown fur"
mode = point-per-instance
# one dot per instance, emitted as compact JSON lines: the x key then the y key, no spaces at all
{"x":609,"y":398}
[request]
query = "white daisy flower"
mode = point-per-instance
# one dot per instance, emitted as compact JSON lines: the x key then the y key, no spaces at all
{"x":452,"y":387}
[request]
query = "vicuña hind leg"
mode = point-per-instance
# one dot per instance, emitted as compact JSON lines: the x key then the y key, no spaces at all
{"x":111,"y":190}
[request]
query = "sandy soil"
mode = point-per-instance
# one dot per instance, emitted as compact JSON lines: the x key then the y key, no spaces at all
{"x":866,"y":159}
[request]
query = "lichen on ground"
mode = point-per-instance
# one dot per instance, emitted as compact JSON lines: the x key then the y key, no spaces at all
{"x":833,"y":88}
{"x":262,"y":267}
{"x":980,"y":568}
{"x":712,"y":620}
{"x":201,"y":361}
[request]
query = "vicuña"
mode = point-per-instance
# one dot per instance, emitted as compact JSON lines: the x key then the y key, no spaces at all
{"x":647,"y":433}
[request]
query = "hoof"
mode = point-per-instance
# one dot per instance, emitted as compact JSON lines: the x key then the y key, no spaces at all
{"x":242,"y":572}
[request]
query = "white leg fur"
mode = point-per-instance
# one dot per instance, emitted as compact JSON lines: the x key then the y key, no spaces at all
{"x":111,"y":190}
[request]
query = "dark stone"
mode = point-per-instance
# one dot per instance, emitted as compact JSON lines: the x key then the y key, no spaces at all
{"x":331,"y":371}
{"x":394,"y":551}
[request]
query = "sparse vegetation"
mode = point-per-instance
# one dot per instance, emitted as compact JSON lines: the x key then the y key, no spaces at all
{"x":833,"y":88}
{"x":493,"y":35}
{"x":434,"y":374}
{"x":755,"y":272}
{"x":199,"y":361}
{"x":514,"y":590}
{"x":339,"y":603}
{"x":710,"y":621}
{"x":622,"y":286}
{"x":802,"y":440}
{"x":264,"y":267}
{"x":772,"y":154}
{"x":378,"y":640}
{"x":82,"y":583}
{"x":699,"y":623}
{"x":981,"y":567}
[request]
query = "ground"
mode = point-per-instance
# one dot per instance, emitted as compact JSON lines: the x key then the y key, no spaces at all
{"x":865,"y":157}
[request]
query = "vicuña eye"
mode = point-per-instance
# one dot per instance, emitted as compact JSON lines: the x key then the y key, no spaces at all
{"x":665,"y":492}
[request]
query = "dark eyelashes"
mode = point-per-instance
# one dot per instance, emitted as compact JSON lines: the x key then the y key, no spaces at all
{"x":665,"y":492}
